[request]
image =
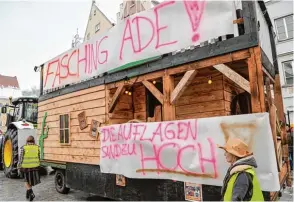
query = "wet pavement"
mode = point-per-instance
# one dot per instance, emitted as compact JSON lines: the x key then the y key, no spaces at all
{"x":13,"y":190}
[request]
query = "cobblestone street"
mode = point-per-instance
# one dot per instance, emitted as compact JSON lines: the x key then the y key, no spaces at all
{"x":13,"y":190}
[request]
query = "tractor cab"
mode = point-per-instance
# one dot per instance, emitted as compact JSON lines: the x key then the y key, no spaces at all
{"x":22,"y":109}
{"x":21,"y":122}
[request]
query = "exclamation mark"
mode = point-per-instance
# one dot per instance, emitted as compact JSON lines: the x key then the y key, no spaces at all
{"x":195,"y":10}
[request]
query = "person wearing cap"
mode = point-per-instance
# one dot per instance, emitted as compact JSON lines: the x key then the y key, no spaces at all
{"x":240,"y":182}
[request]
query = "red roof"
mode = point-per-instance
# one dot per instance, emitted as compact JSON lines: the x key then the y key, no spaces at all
{"x":8,"y":81}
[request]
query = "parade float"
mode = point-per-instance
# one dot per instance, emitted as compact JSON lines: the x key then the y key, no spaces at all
{"x":136,"y":113}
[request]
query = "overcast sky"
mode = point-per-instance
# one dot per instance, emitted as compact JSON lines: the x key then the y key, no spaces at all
{"x":33,"y":32}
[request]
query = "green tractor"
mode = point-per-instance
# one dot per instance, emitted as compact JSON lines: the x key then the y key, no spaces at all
{"x":21,"y":122}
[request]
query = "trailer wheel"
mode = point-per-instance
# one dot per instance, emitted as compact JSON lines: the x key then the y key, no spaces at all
{"x":10,"y":153}
{"x":60,"y":185}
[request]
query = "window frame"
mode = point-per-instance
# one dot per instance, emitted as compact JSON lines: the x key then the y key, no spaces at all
{"x":283,"y":66}
{"x":284,"y":25}
{"x":63,"y":129}
{"x":96,"y":27}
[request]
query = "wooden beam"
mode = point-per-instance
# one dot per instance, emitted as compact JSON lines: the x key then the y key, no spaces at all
{"x":115,"y":98}
{"x":182,"y":85}
{"x":255,"y":102}
{"x":268,"y":91}
{"x":280,"y":113}
{"x":234,"y":76}
{"x":169,"y":110}
{"x":235,"y":56}
{"x":268,"y":75}
{"x":153,"y":90}
{"x":238,"y":21}
{"x":260,"y":81}
{"x":273,"y":115}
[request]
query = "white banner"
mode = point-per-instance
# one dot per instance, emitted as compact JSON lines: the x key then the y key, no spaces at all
{"x":186,"y":150}
{"x":170,"y":26}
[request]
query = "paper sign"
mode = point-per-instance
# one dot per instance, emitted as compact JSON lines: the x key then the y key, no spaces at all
{"x":186,"y":150}
{"x":170,"y":26}
{"x":193,"y":192}
{"x":120,"y":180}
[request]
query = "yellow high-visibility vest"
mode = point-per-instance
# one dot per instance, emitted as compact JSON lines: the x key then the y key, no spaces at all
{"x":31,"y":156}
{"x":257,"y":193}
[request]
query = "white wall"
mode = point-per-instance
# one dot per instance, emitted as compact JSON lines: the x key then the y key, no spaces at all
{"x":7,"y":92}
{"x":285,"y":49}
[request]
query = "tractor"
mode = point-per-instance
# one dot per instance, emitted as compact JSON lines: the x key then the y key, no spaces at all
{"x":21,"y":122}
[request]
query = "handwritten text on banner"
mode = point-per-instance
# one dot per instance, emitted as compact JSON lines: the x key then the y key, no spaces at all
{"x":186,"y":150}
{"x":170,"y":26}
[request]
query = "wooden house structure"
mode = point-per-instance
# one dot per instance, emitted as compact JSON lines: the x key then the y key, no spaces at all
{"x":206,"y":81}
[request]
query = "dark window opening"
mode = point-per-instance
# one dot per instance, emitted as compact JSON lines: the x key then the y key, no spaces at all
{"x":151,"y":101}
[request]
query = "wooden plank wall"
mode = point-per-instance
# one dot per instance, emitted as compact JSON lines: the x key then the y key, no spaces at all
{"x":140,"y":110}
{"x":202,"y":100}
{"x":123,"y":111}
{"x":83,"y":147}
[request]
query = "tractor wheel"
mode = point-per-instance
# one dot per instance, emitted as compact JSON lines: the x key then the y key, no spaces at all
{"x":10,"y":153}
{"x":60,"y":184}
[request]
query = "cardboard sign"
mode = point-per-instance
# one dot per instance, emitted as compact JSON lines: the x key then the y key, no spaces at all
{"x":94,"y":128}
{"x":140,"y":37}
{"x":186,"y":150}
{"x":82,"y":120}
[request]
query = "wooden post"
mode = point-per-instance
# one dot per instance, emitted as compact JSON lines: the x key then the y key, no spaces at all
{"x":252,"y":69}
{"x":260,"y":81}
{"x":268,"y":91}
{"x":280,"y":112}
{"x":169,"y":112}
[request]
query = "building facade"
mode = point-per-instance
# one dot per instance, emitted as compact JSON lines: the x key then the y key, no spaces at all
{"x":128,"y":8}
{"x":281,"y":14}
{"x":97,"y":22}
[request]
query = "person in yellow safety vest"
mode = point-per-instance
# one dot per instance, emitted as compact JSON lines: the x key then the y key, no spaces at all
{"x":240,"y":182}
{"x":29,"y":165}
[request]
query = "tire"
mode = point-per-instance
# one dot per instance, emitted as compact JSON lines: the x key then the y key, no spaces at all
{"x":10,"y":168}
{"x":59,"y":180}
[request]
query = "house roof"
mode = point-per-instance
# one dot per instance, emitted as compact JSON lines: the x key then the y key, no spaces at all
{"x":95,"y":6}
{"x":8,"y":81}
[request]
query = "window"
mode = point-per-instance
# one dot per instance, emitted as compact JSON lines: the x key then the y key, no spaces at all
{"x":284,"y":27}
{"x":64,"y":129}
{"x":97,"y":27}
{"x":288,"y":69}
{"x":88,"y":36}
{"x":94,"y":12}
{"x":31,"y":112}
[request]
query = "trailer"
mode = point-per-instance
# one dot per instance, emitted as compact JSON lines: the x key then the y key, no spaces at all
{"x":199,"y":71}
